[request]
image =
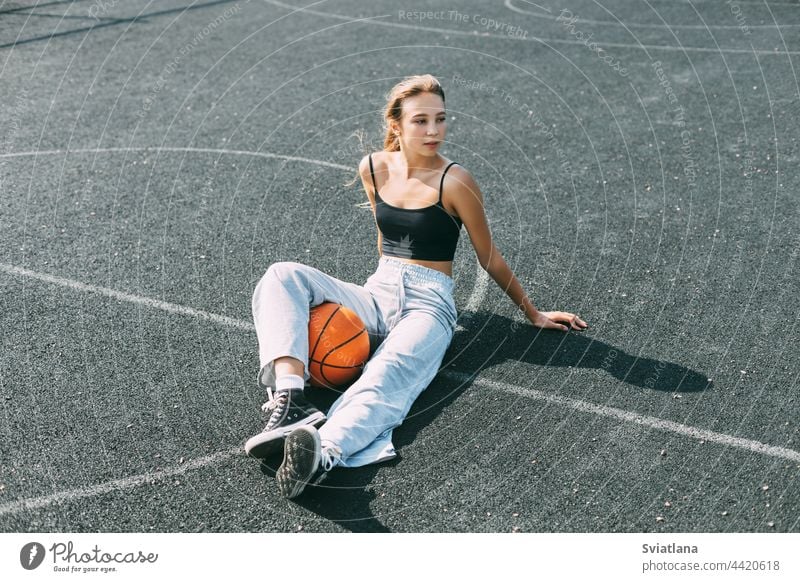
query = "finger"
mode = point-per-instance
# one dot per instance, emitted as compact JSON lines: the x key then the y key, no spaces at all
{"x":573,"y":320}
{"x":551,"y":324}
{"x":556,"y":317}
{"x":567,"y":317}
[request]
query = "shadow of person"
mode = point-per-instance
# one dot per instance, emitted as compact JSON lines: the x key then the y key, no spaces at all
{"x":521,"y":342}
{"x":346,"y":496}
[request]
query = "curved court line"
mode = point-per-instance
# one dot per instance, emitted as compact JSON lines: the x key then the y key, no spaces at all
{"x":481,"y":286}
{"x":33,"y":503}
{"x":573,"y":403}
{"x":182,"y":150}
{"x":102,"y":23}
{"x":545,"y":8}
{"x":513,"y":8}
{"x":577,"y":405}
{"x":475,"y":299}
{"x":530,"y":393}
{"x":252,"y":153}
{"x":478,"y":293}
{"x":543,"y":40}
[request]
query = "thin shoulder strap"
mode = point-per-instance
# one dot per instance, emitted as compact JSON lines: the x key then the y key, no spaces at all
{"x":372,"y":173}
{"x":441,"y":184}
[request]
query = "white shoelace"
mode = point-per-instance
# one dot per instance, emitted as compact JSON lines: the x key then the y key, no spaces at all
{"x":331,"y":456}
{"x":276,"y":403}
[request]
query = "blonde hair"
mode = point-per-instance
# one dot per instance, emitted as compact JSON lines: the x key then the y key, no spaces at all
{"x":408,"y":87}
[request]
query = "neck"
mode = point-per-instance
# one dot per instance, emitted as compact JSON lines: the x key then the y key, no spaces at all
{"x":416,"y":163}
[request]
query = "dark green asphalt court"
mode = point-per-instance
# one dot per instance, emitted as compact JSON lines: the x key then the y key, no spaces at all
{"x":638,"y":163}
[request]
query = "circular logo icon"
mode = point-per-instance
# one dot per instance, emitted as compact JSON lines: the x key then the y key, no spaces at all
{"x":31,"y":556}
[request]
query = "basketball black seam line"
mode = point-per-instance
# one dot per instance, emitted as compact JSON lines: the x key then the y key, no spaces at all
{"x":334,"y":365}
{"x":322,"y":331}
{"x":334,"y":348}
{"x":322,"y":364}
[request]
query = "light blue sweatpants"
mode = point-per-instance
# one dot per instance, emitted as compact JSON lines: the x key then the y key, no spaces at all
{"x":410,"y":315}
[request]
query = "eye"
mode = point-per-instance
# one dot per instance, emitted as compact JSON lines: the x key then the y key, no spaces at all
{"x":420,"y":121}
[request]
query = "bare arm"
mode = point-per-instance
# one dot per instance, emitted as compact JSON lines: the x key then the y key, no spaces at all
{"x":468,"y":201}
{"x":366,"y":181}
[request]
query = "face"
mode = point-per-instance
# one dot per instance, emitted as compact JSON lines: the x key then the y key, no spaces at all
{"x":423,"y":124}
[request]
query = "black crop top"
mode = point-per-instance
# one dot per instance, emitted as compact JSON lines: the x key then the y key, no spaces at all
{"x":429,"y":233}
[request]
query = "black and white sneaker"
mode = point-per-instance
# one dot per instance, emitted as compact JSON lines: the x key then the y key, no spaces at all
{"x":305,"y":462}
{"x":289,"y":410}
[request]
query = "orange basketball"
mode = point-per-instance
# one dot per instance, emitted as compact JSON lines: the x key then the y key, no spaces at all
{"x":338,"y":345}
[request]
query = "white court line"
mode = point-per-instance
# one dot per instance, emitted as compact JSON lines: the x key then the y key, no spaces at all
{"x":537,"y":6}
{"x":530,"y":393}
{"x":481,"y":287}
{"x":117,"y":485}
{"x":478,"y":293}
{"x":544,"y":40}
{"x":475,"y":298}
{"x":129,"y":297}
{"x":182,"y":150}
{"x":666,"y":26}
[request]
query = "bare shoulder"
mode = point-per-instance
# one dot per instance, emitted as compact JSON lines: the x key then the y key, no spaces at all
{"x":363,"y":165}
{"x":460,"y":185}
{"x":378,"y":163}
{"x":462,"y":196}
{"x":364,"y":169}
